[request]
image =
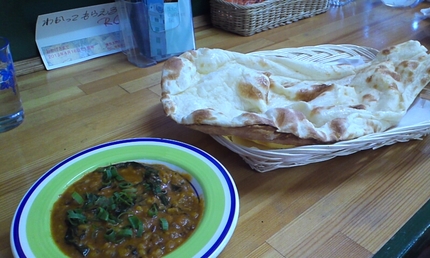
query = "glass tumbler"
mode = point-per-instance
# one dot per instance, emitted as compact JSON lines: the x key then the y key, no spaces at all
{"x":339,"y":2}
{"x":11,"y":110}
{"x":401,"y":3}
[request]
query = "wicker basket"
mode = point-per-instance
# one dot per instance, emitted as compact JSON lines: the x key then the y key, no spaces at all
{"x":414,"y":125}
{"x":246,"y":20}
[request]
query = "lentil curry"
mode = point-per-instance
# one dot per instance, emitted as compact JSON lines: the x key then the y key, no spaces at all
{"x":126,"y":210}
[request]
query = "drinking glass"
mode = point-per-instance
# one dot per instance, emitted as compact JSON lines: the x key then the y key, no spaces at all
{"x":401,"y":3}
{"x":11,"y":110}
{"x":340,"y":2}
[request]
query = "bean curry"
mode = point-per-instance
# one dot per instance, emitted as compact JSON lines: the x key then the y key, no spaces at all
{"x":126,"y":210}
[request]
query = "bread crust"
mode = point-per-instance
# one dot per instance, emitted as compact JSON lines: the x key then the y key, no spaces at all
{"x":263,"y":133}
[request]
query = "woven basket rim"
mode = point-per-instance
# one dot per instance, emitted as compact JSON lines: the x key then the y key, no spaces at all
{"x":269,"y":160}
{"x":250,"y":6}
{"x":246,"y":20}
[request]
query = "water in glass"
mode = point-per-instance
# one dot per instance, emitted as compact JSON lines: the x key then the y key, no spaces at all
{"x":11,"y":110}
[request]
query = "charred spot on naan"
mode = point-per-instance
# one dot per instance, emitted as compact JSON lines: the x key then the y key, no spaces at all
{"x":249,"y":91}
{"x":287,"y":119}
{"x":272,"y":84}
{"x":285,"y":116}
{"x":313,"y":92}
{"x":258,"y":91}
{"x":411,"y":64}
{"x":393,"y":86}
{"x":359,"y":106}
{"x":369,"y":98}
{"x":318,"y":110}
{"x":382,"y":69}
{"x":201,"y":115}
{"x":375,"y":127}
{"x":250,"y":118}
{"x":173,"y":66}
{"x":407,"y":68}
{"x":293,"y":122}
{"x":190,"y":55}
{"x":387,"y":51}
{"x":168,"y":106}
{"x":338,"y":127}
{"x":268,"y":74}
{"x":262,"y":62}
{"x":425,"y":79}
{"x":288,"y":84}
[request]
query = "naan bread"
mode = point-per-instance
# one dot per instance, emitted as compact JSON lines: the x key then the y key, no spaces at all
{"x":286,"y":101}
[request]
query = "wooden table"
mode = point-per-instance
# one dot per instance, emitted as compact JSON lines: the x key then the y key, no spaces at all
{"x":345,"y":207}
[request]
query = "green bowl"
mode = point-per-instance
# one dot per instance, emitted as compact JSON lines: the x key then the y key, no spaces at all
{"x":30,"y":229}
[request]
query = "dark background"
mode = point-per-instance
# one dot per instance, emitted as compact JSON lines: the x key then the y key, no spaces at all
{"x":18,"y":20}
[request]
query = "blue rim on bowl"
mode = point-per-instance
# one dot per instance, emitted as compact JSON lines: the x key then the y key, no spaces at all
{"x":30,"y":230}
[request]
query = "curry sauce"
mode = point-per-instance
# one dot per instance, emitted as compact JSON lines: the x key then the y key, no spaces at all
{"x":126,"y":210}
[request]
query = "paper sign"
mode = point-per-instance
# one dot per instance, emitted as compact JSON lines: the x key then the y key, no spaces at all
{"x":73,"y":36}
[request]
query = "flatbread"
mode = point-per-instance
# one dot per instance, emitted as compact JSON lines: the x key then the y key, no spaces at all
{"x":288,"y":101}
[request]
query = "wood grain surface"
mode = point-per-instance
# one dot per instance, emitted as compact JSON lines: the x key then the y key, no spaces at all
{"x":345,"y":207}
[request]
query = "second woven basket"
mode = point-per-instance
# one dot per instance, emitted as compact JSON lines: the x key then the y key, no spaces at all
{"x":246,"y":20}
